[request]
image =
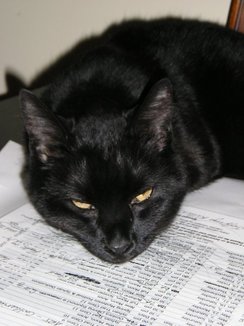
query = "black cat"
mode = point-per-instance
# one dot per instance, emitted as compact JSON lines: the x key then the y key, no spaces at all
{"x":114,"y":145}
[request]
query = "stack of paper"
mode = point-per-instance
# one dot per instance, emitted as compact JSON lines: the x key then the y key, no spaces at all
{"x":193,"y":274}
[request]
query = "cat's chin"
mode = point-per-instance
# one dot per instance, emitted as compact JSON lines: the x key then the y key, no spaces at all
{"x":114,"y":259}
{"x":109,"y":257}
{"x":118,"y":259}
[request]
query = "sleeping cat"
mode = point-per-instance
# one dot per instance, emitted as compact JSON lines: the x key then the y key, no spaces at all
{"x":125,"y":132}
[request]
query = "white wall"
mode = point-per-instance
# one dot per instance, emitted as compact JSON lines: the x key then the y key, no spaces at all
{"x":33,"y":33}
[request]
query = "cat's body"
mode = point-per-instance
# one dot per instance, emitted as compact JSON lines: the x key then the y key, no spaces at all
{"x":157,"y":109}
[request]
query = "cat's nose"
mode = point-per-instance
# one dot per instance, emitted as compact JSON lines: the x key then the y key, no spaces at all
{"x":120,"y":248}
{"x":120,"y":245}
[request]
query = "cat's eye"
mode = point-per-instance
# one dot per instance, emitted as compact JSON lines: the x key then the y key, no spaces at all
{"x":142,"y":197}
{"x":82,"y":205}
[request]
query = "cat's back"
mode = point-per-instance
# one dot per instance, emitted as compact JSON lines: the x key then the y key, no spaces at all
{"x":173,"y":36}
{"x":204,"y":62}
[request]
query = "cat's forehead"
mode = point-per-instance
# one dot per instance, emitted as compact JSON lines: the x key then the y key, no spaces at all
{"x":108,"y":181}
{"x":100,"y":132}
{"x":117,"y":167}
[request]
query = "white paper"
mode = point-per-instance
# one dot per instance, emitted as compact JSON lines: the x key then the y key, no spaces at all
{"x":193,"y":272}
{"x":11,"y":161}
{"x":12,"y":193}
{"x":224,"y":196}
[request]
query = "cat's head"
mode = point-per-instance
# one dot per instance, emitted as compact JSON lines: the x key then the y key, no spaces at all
{"x":111,"y":179}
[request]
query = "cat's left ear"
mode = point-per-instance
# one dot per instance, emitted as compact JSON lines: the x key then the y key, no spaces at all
{"x":45,"y":132}
{"x":152,"y":121}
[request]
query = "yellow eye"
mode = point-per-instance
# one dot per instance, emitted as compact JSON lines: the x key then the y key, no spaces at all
{"x":142,"y":197}
{"x":82,"y":205}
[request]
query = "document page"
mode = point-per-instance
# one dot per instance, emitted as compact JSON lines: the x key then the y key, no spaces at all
{"x":224,"y":195}
{"x":12,"y":193}
{"x":193,"y":274}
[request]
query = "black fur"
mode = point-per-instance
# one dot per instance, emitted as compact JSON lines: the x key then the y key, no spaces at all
{"x":158,"y":105}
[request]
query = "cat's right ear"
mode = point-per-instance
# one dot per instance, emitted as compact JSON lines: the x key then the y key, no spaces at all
{"x":45,"y":132}
{"x":152,"y":121}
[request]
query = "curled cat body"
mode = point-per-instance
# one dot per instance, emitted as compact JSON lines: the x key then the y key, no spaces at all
{"x":114,"y":144}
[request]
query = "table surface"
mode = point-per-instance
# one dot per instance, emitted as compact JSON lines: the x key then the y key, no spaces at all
{"x":11,"y":124}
